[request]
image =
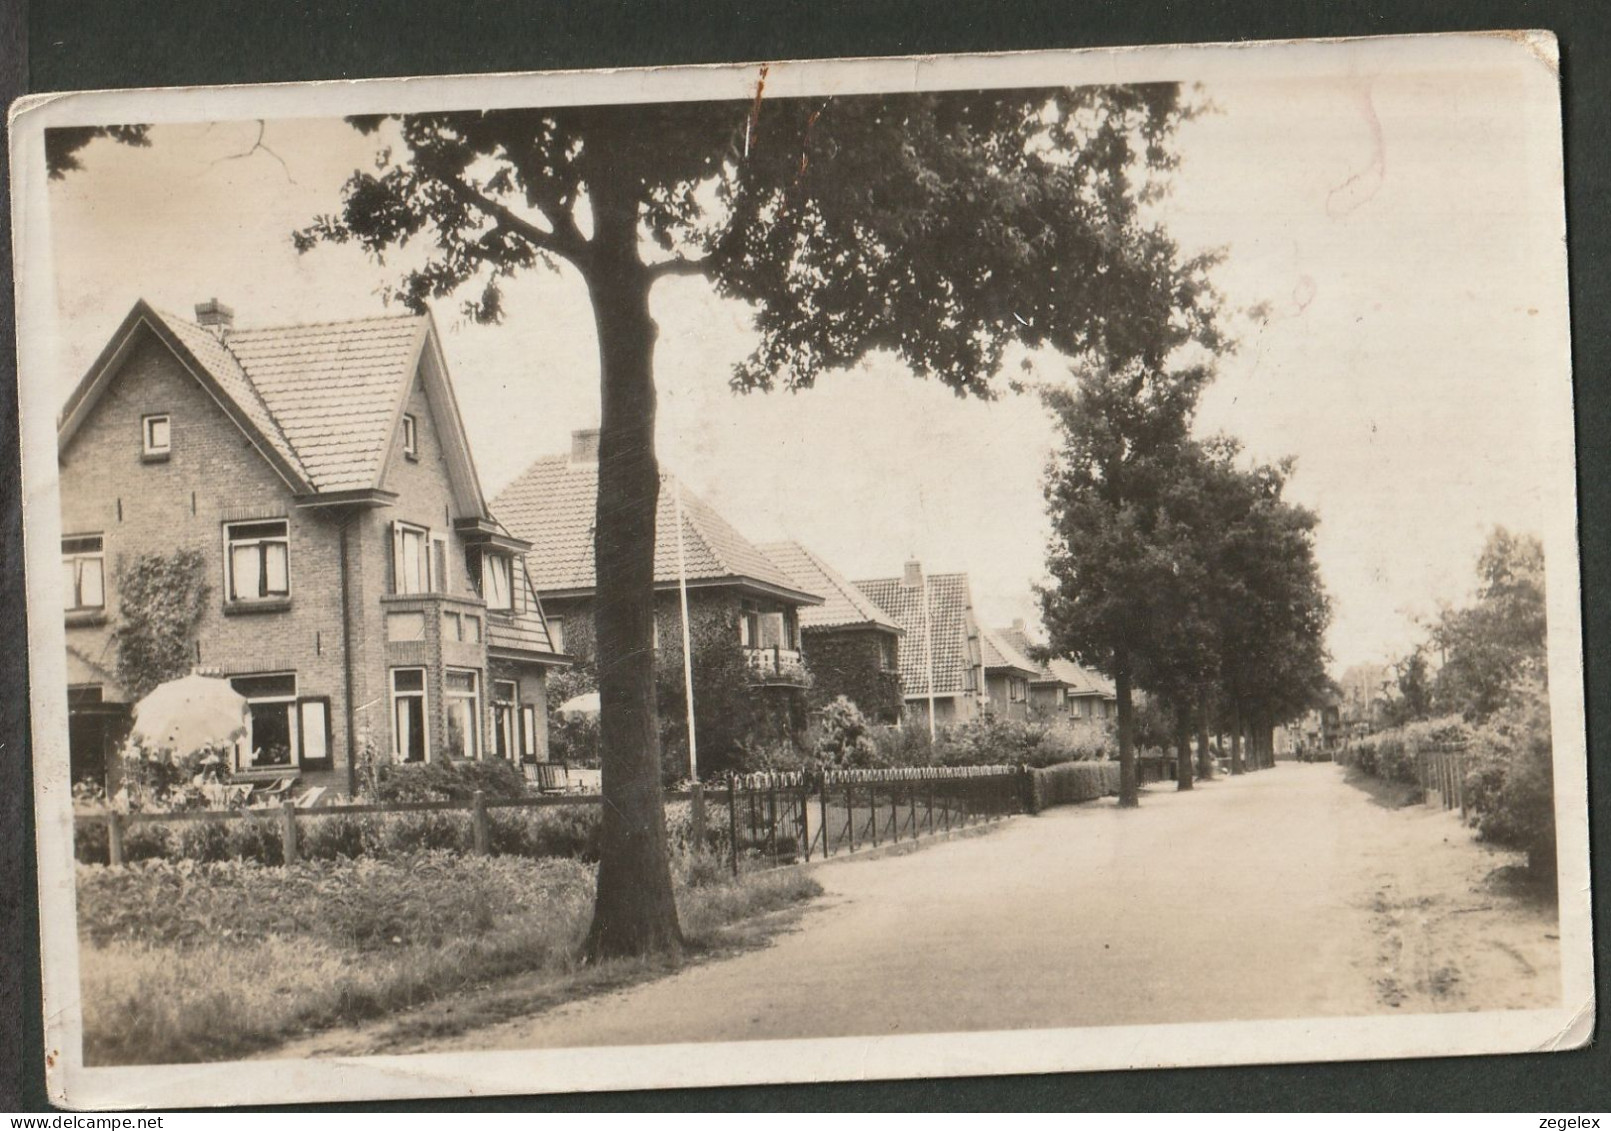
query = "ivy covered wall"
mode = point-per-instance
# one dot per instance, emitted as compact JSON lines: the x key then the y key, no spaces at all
{"x":850,"y":663}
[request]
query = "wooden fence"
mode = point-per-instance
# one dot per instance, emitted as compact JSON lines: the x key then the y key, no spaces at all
{"x":1441,"y":770}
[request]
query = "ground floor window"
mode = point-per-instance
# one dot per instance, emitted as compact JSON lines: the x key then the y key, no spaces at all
{"x":271,"y":739}
{"x":409,"y":740}
{"x":505,"y":704}
{"x":463,"y":714}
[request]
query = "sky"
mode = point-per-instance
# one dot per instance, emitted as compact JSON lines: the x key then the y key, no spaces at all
{"x":1394,"y":225}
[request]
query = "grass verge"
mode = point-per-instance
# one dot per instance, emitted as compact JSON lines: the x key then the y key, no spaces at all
{"x":182,"y":962}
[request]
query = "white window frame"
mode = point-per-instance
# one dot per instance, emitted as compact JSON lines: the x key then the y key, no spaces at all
{"x":246,"y":745}
{"x":261,"y":541}
{"x":411,"y":436}
{"x":75,"y":561}
{"x":490,"y":560}
{"x":451,"y":698}
{"x":528,"y":732}
{"x":148,"y":441}
{"x":424,"y":696}
{"x":400,"y":530}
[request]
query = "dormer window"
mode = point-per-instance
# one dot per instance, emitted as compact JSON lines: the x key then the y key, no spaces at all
{"x":411,"y":436}
{"x":156,"y":436}
{"x":497,"y":587}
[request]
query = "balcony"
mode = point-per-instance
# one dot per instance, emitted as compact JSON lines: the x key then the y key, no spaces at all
{"x":777,"y":667}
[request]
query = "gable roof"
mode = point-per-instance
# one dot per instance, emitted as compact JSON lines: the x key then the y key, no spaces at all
{"x":552,"y":505}
{"x":950,"y":601}
{"x":321,"y":401}
{"x":843,"y":604}
{"x":1079,"y":680}
{"x":1000,"y":654}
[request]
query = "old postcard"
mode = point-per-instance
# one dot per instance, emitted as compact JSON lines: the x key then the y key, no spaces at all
{"x":803,"y":571}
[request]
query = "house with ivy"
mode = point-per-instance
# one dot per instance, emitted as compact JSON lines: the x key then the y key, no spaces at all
{"x":852,"y":645}
{"x":295,"y":509}
{"x":941,"y":652}
{"x":750,"y":672}
{"x":1062,"y":691}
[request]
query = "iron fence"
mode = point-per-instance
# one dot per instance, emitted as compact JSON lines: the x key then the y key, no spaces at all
{"x":784,"y":817}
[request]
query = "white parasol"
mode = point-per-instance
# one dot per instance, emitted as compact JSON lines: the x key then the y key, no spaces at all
{"x":584,"y":704}
{"x":192,"y":712}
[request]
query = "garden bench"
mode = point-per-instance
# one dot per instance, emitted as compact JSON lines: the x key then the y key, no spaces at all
{"x":549,"y":777}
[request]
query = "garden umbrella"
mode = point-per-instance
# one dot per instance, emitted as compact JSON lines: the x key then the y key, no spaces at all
{"x":189,"y":713}
{"x":584,"y":704}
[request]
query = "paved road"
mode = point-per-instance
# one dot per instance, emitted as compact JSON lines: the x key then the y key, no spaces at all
{"x":1279,"y":894}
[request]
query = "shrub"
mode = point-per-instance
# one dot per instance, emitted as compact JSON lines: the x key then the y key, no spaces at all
{"x":449,"y":781}
{"x":1074,"y":782}
{"x":561,"y":830}
{"x":1509,"y":781}
{"x":844,"y":736}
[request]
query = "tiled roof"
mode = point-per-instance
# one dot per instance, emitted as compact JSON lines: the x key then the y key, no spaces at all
{"x":843,"y":604}
{"x":223,"y":367}
{"x":999,"y":652}
{"x":330,"y":391}
{"x":950,"y":606}
{"x":551,"y":505}
{"x":1079,"y":680}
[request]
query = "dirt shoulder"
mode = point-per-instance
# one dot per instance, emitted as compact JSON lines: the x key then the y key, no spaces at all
{"x":1459,"y":924}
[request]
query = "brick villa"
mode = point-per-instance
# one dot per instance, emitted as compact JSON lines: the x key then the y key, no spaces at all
{"x":358,"y":587}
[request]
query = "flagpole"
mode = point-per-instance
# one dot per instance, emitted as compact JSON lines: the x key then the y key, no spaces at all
{"x":928,"y":647}
{"x":687,"y":641}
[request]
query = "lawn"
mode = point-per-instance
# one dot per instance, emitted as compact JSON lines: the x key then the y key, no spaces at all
{"x":185,"y":962}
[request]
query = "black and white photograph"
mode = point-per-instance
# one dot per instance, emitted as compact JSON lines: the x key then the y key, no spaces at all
{"x":803,"y":571}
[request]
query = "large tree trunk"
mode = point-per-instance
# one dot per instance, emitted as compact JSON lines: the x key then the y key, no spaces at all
{"x":1205,"y":757}
{"x":635,"y":911}
{"x":1129,"y":788}
{"x":1236,"y":736}
{"x":1183,"y":767}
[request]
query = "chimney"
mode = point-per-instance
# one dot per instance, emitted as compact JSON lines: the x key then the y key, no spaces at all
{"x":215,"y":316}
{"x":914,"y":575}
{"x":1018,"y":627}
{"x":585,"y":445}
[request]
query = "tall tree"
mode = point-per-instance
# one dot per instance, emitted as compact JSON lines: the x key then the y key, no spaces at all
{"x":63,"y":144}
{"x":939,"y":228}
{"x":1489,"y":645}
{"x":1115,"y":550}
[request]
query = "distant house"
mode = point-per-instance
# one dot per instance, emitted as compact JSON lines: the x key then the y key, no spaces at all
{"x":358,"y":588}
{"x":941,"y":656}
{"x":1009,"y":675}
{"x":1062,"y":689}
{"x":742,"y":607}
{"x":852,"y":645}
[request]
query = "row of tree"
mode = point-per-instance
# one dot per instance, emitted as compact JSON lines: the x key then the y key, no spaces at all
{"x":936,"y":228}
{"x":1177,"y":569}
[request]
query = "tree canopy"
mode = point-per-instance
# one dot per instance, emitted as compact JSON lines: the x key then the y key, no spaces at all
{"x":940,"y":228}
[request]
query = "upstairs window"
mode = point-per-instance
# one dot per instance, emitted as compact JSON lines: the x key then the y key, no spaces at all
{"x":257,"y":560}
{"x":749,"y":625}
{"x":411,"y":436}
{"x":411,"y":558}
{"x":497,"y":586}
{"x":84,"y":573}
{"x":156,"y":435}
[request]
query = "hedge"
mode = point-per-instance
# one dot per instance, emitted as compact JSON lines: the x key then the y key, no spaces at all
{"x":1073,"y":782}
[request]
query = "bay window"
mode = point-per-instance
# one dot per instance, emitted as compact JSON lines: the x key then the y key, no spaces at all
{"x":409,"y":739}
{"x":463,"y":714}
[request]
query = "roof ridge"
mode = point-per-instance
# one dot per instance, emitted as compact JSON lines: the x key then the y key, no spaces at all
{"x":281,"y":327}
